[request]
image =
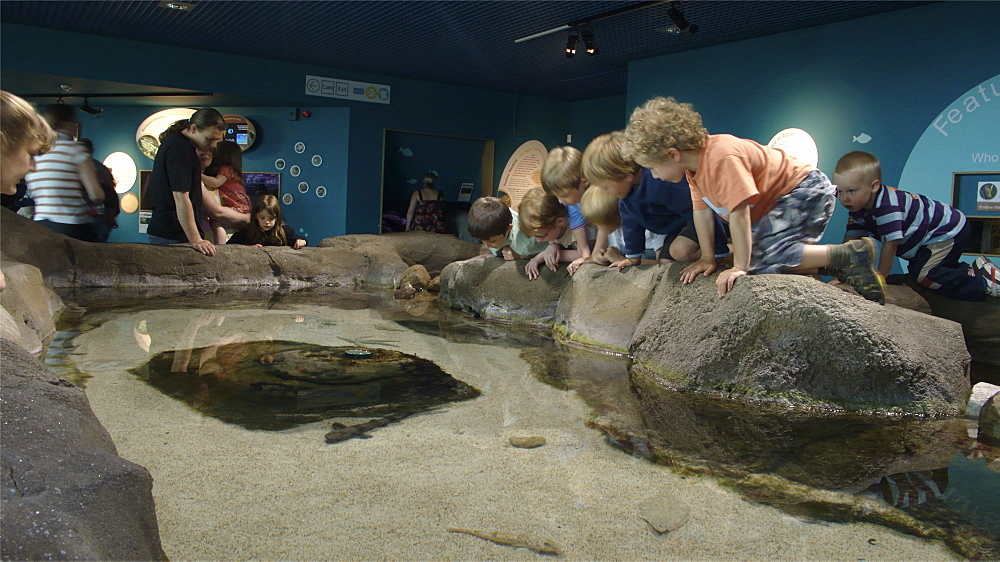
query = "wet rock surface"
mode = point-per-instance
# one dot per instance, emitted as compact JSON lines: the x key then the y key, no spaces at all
{"x":66,"y":493}
{"x":989,"y":421}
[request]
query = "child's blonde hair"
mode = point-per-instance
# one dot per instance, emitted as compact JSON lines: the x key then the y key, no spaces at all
{"x":22,"y":126}
{"x":858,"y":161}
{"x":561,"y":171}
{"x":659,"y":125}
{"x":600,"y":208}
{"x":539,"y":210}
{"x":604,"y":159}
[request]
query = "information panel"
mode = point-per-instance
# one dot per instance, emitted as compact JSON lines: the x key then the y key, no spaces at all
{"x":326,"y":87}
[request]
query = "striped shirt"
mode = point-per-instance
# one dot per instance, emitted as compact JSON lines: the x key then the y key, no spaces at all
{"x":910,"y":218}
{"x":55,"y":184}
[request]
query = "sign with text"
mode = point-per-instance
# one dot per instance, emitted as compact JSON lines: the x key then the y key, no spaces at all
{"x":523,"y":171}
{"x":325,"y":87}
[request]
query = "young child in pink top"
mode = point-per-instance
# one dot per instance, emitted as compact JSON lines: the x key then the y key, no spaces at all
{"x":225,"y":174}
{"x":777,"y":206}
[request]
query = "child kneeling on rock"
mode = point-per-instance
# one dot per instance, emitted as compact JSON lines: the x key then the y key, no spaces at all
{"x":542,"y":215}
{"x":266,"y":227}
{"x":777,"y":206}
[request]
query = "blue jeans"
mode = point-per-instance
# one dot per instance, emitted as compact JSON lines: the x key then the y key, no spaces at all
{"x":161,"y":241}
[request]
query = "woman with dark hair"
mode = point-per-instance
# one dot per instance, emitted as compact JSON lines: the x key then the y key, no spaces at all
{"x":175,"y":182}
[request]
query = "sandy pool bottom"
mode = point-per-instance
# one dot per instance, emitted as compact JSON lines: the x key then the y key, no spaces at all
{"x":224,"y":492}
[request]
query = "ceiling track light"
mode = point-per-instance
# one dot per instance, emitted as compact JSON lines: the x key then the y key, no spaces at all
{"x":87,"y":108}
{"x":571,"y":45}
{"x":588,"y":42}
{"x":677,"y":16}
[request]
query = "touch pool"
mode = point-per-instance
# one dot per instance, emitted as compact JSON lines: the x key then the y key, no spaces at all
{"x":225,"y":491}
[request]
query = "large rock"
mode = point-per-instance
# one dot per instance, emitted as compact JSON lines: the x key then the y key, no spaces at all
{"x":377,"y":261}
{"x":27,"y":307}
{"x":497,"y":289}
{"x":989,"y":421}
{"x":979,"y":320}
{"x":65,"y":493}
{"x":601,"y":307}
{"x":789,"y":338}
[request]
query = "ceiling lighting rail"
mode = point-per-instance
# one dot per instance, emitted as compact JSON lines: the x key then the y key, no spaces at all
{"x":592,"y":19}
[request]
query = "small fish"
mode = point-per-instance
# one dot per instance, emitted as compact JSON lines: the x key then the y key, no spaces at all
{"x":506,"y":539}
{"x":862,"y":138}
{"x":405,"y":151}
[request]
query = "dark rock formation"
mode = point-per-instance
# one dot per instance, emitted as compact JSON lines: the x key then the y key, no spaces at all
{"x":499,"y":290}
{"x":780,"y":338}
{"x":27,"y":308}
{"x":371,"y":260}
{"x":789,"y":337}
{"x":66,"y":493}
{"x":989,"y":421}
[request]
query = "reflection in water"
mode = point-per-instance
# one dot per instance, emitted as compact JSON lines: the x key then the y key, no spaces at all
{"x":913,"y":475}
{"x":785,"y":457}
{"x":280,"y":384}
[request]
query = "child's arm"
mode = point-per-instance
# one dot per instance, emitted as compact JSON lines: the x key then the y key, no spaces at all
{"x":704,"y":225}
{"x":583,"y":247}
{"x":739,"y":227}
{"x":213,"y":182}
{"x":509,"y":254}
{"x":600,"y":246}
{"x":887,"y":257}
{"x":550,"y":256}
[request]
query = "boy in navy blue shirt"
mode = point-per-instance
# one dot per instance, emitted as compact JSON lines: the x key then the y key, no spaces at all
{"x":646,"y":203}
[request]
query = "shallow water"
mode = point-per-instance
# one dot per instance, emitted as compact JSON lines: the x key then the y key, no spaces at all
{"x":925,"y":477}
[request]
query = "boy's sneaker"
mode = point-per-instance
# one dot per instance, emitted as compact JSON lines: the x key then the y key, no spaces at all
{"x":985,"y":269}
{"x":861,"y":273}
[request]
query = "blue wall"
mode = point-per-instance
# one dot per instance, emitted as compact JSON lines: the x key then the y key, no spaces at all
{"x":325,"y":135}
{"x":416,"y":105}
{"x":888,"y":76}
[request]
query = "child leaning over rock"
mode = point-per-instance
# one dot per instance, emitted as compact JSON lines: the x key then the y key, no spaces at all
{"x":542,"y":216}
{"x":777,"y":206}
{"x":494,"y":224}
{"x":561,"y":177}
{"x":930,"y":235}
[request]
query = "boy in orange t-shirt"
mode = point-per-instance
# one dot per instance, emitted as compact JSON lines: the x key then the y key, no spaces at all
{"x":776,"y":205}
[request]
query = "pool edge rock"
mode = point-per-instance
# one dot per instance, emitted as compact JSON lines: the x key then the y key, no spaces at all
{"x":66,"y":494}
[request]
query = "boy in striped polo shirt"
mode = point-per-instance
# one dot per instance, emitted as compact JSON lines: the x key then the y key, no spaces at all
{"x":930,"y":235}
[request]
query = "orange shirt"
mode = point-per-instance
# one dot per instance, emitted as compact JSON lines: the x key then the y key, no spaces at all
{"x":732,"y":170}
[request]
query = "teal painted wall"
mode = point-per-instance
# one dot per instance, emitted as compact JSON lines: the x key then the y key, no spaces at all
{"x":419,"y":106}
{"x":889,"y":76}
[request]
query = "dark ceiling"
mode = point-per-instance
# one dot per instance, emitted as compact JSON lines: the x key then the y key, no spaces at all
{"x":470,"y":43}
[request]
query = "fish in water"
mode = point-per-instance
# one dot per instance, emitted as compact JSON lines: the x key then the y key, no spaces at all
{"x":541,"y":546}
{"x":913,"y":488}
{"x":405,"y":151}
{"x":863,"y":138}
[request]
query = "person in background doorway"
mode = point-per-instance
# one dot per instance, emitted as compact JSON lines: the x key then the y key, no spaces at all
{"x":175,"y":182}
{"x":64,"y":180}
{"x":426,"y":210}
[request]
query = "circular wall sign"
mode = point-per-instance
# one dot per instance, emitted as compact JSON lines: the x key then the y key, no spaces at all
{"x":240,"y":130}
{"x":147,"y":136}
{"x":123,"y":169}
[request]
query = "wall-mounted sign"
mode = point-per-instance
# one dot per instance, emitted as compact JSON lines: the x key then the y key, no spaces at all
{"x":523,"y":171}
{"x":240,"y":130}
{"x":798,"y":143}
{"x":325,"y":87}
{"x":147,"y":136}
{"x":123,"y":169}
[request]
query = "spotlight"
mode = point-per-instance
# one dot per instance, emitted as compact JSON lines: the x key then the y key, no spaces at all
{"x":571,"y":45}
{"x":87,"y":108}
{"x":677,"y":16}
{"x":588,"y":42}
